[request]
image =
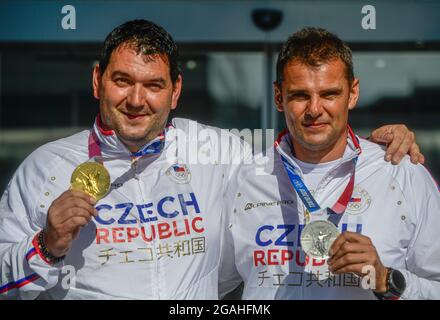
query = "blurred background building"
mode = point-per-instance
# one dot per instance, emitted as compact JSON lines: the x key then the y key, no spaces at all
{"x":227,"y":63}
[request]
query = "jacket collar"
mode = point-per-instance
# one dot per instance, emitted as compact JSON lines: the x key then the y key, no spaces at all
{"x":284,"y":147}
{"x":111,"y":146}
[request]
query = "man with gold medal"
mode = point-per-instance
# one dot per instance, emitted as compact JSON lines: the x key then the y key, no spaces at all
{"x":111,"y":212}
{"x":340,"y":222}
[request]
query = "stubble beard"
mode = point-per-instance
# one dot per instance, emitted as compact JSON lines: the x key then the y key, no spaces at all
{"x":299,"y":137}
{"x":149,"y":134}
{"x":136,"y":140}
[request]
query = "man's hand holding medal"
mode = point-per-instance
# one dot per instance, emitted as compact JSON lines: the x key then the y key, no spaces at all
{"x":351,"y":252}
{"x":74,"y":209}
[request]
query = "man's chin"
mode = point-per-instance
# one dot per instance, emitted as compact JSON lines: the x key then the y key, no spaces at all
{"x":316,"y":139}
{"x":316,"y":144}
{"x":139,"y":134}
{"x":133,"y":138}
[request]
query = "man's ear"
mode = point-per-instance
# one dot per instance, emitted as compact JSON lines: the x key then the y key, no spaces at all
{"x":177,"y":89}
{"x":278,"y":97}
{"x":354,"y":94}
{"x":96,"y":81}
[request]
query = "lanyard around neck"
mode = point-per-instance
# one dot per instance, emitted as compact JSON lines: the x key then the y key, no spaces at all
{"x":337,"y":210}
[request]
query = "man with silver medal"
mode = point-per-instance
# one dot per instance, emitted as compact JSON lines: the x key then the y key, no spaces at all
{"x":318,"y":235}
{"x":364,"y":230}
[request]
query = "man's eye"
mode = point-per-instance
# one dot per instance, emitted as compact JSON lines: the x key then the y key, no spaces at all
{"x":298,"y":96}
{"x":122,"y":82}
{"x":330,"y":95}
{"x":155,"y":86}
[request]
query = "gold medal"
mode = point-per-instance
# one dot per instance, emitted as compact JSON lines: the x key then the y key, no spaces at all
{"x":91,"y":178}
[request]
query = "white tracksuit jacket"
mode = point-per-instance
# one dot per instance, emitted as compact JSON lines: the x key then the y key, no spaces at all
{"x":157,"y":235}
{"x":398,"y":207}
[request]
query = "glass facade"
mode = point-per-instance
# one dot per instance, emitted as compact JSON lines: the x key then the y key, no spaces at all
{"x":45,"y":94}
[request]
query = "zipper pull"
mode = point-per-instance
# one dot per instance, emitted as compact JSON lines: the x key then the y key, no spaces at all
{"x":134,"y":162}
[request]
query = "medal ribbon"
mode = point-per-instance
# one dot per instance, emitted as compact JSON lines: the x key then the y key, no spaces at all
{"x":337,"y":210}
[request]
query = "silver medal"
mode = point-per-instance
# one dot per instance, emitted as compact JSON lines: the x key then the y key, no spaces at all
{"x":317,"y":238}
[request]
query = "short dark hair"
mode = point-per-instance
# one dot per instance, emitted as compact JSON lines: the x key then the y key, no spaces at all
{"x":313,"y":47}
{"x":145,"y":37}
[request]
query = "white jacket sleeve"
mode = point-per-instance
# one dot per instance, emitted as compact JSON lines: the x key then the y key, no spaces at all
{"x":239,"y":155}
{"x":24,"y":273}
{"x":229,"y":277}
{"x":422,"y":272}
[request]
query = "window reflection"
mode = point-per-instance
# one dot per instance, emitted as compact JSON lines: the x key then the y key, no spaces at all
{"x":46,"y":94}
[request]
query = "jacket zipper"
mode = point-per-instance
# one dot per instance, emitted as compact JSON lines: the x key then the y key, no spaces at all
{"x":155,"y":276}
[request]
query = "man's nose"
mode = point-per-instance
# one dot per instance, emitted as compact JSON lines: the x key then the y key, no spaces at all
{"x":136,"y":97}
{"x":315,"y":107}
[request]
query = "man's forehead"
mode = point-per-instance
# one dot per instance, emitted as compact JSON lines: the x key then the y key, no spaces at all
{"x":300,"y":73}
